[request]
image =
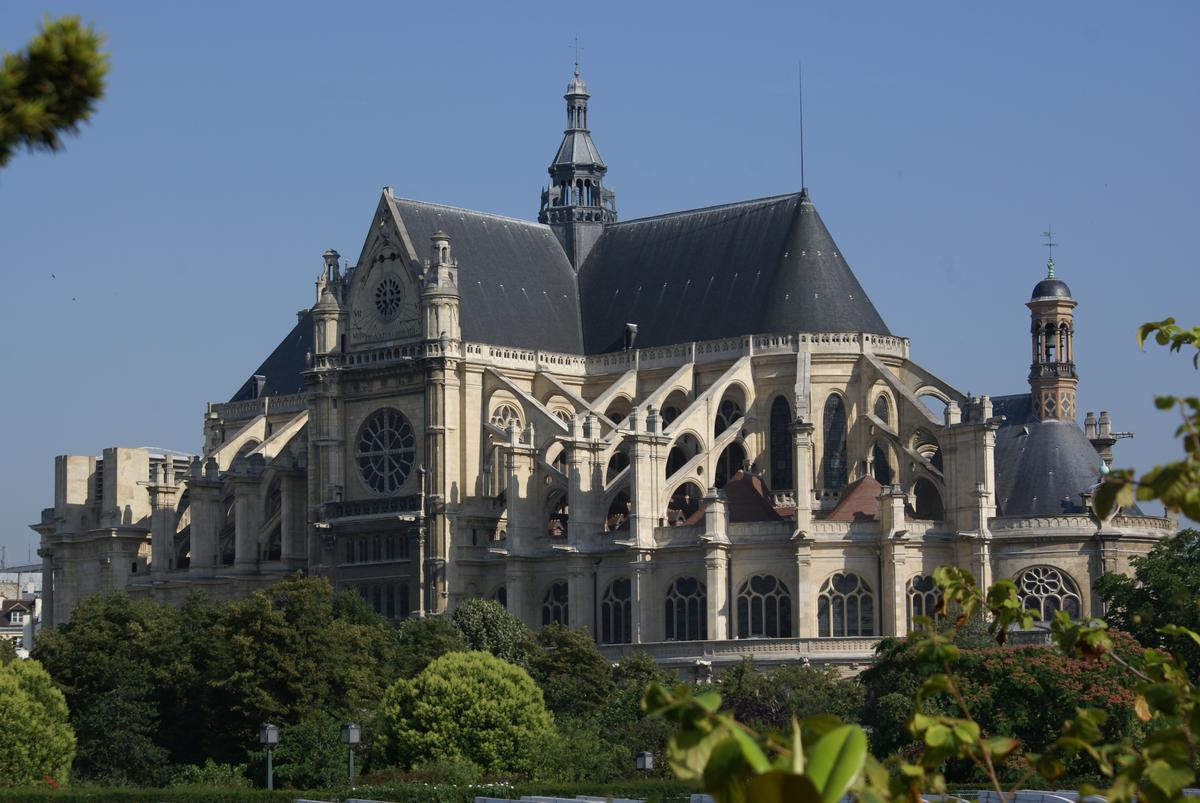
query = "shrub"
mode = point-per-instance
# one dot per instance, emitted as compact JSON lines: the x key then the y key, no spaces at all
{"x":486,"y":625}
{"x":36,"y":740}
{"x":467,"y":705}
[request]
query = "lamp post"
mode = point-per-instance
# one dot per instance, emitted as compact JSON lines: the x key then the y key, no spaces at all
{"x":351,"y":735}
{"x":644,"y":761}
{"x":269,"y":736}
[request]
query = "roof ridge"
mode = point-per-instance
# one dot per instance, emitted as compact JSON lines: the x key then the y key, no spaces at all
{"x":749,"y":202}
{"x":507,"y":218}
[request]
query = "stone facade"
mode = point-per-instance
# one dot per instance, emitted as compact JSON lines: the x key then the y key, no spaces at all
{"x":782,"y":493}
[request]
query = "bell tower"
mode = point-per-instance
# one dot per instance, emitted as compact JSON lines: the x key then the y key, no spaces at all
{"x":577,"y":204}
{"x":1052,"y":377}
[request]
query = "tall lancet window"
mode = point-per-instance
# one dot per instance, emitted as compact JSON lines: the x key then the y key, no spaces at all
{"x":834,"y":462}
{"x":781,"y":445}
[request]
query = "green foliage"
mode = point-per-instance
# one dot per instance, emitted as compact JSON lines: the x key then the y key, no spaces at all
{"x":486,"y":625}
{"x":450,"y":771}
{"x":211,"y":773}
{"x":467,"y":705}
{"x":150,"y":686}
{"x":310,"y":754}
{"x":50,"y":87}
{"x":770,"y":698}
{"x":8,"y":653}
{"x":36,"y":740}
{"x":418,"y":642}
{"x":1163,"y":591}
{"x":574,"y":677}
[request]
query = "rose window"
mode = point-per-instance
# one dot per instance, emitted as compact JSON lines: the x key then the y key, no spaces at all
{"x":385,"y":451}
{"x":388,"y":295}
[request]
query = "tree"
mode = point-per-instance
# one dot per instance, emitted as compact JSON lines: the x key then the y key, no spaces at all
{"x":8,"y":653}
{"x":573,"y":675}
{"x":310,"y":754}
{"x":113,"y":663}
{"x":486,"y":625}
{"x":418,"y":642}
{"x":467,"y":705}
{"x":36,"y":740}
{"x":769,"y":698}
{"x":50,"y":87}
{"x":1163,"y":591}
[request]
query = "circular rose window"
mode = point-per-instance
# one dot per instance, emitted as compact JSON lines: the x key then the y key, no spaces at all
{"x":385,"y":451}
{"x":388,"y":296}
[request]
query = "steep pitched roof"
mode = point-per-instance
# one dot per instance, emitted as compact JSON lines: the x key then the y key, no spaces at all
{"x":284,"y":366}
{"x":768,"y":265}
{"x":518,"y":288}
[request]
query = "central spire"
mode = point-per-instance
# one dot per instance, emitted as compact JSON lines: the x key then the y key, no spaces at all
{"x":576,"y":204}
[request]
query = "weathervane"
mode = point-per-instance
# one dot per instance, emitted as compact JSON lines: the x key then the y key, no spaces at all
{"x":1049,"y":235}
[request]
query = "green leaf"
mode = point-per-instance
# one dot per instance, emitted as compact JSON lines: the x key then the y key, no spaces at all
{"x":751,"y":752}
{"x":710,"y":701}
{"x":1167,"y":778}
{"x":797,"y":748}
{"x":1164,"y":402}
{"x":725,"y":773}
{"x":778,"y":787}
{"x":1000,"y":746}
{"x":836,"y":760}
{"x":688,"y":751}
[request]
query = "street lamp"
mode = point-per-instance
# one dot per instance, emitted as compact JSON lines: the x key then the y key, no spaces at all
{"x":269,"y":736}
{"x":351,"y":735}
{"x":644,"y":761}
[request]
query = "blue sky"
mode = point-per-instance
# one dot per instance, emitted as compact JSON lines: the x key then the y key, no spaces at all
{"x":152,"y":265}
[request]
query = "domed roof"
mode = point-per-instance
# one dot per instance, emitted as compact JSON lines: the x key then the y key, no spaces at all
{"x":1051,"y":288}
{"x":577,"y":86}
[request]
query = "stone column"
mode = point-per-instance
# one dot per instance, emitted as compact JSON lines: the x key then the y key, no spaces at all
{"x":805,"y":593}
{"x":643,"y":600}
{"x":648,"y":457}
{"x":292,"y":524}
{"x":802,"y":458}
{"x":579,"y":595}
{"x":47,"y":556}
{"x":517,"y":581}
{"x":204,"y":494}
{"x":247,"y":519}
{"x":163,"y":495}
{"x":893,"y":555}
{"x":585,"y":485}
{"x":716,"y":576}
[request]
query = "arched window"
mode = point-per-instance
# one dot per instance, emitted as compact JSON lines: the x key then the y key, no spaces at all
{"x":1045,"y":589}
{"x":764,"y":608}
{"x":616,"y":613}
{"x":834,"y":463}
{"x":385,"y":451}
{"x":687,"y":610}
{"x":928,"y":501}
{"x":923,"y":595}
{"x":618,"y":512}
{"x":554,"y":604}
{"x":500,"y":595}
{"x":845,"y":607}
{"x":729,"y":463}
{"x":559,"y":516}
{"x":402,"y":608}
{"x":781,"y":445}
{"x":883,"y":410}
{"x":506,"y":414}
{"x":729,"y":412}
{"x":881,"y":469}
{"x":924,"y":444}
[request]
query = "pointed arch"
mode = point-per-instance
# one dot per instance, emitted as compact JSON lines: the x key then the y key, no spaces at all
{"x":834,"y":469}
{"x":782,"y":454}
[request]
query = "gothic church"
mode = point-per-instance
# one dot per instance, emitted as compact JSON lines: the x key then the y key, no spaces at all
{"x":691,"y":434}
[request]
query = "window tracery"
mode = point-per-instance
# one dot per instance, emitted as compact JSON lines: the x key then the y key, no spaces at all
{"x":554,"y":605}
{"x":385,"y":451}
{"x":845,"y":607}
{"x":727,"y":414}
{"x":923,"y":596}
{"x":834,"y":462}
{"x":782,"y":454}
{"x":506,"y":414}
{"x":764,"y":608}
{"x":687,"y":610}
{"x":616,"y":613}
{"x":1045,"y":589}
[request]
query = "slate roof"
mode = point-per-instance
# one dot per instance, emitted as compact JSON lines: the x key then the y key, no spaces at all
{"x":284,"y":366}
{"x":1050,"y":288}
{"x":1041,"y":466}
{"x":767,"y":265}
{"x":518,"y":287}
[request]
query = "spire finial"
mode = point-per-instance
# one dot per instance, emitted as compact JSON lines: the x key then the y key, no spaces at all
{"x":577,"y":49}
{"x":800,"y":71}
{"x":1049,"y":235}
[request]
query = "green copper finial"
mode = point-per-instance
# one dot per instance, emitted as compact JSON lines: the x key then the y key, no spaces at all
{"x":1049,"y":235}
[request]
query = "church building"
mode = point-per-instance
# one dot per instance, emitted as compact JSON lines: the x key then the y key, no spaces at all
{"x":691,"y":434}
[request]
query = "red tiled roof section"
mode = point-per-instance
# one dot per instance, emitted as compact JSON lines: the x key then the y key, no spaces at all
{"x":859,"y":502}
{"x":748,"y":499}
